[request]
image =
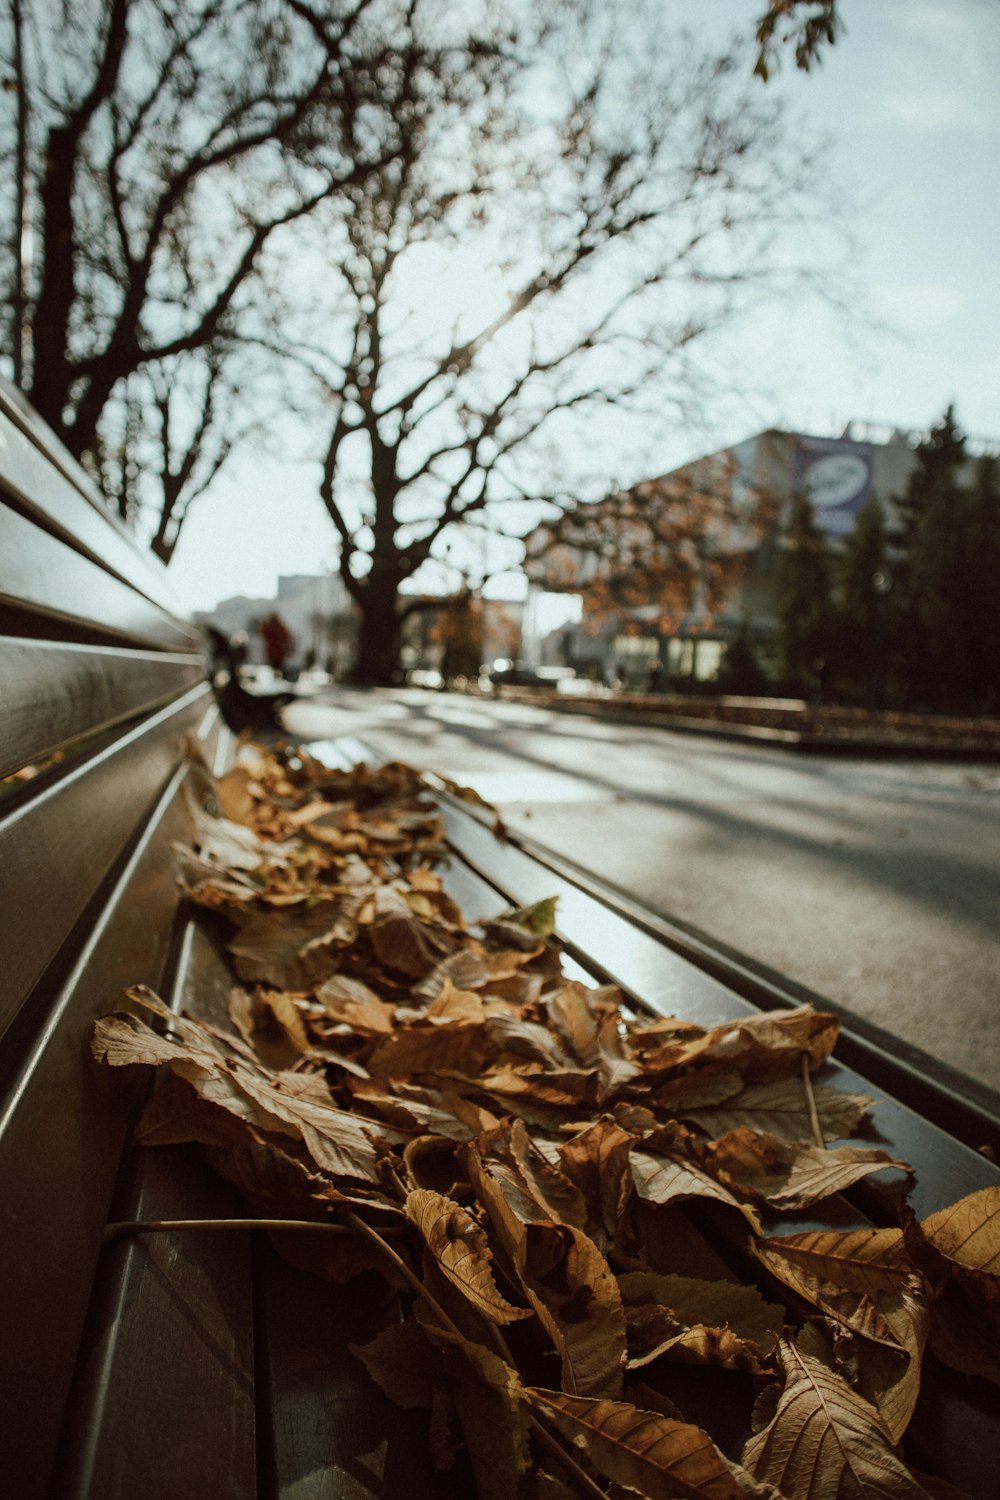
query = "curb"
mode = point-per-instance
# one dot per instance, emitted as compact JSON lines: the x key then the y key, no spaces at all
{"x":758,"y":734}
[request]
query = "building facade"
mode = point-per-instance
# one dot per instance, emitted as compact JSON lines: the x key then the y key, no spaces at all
{"x":745,"y":495}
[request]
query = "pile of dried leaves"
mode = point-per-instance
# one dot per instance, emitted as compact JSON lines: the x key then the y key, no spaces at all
{"x":567,"y":1193}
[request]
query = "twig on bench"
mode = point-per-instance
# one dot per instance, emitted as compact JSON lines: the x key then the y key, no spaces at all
{"x":127,"y":1227}
{"x":811,"y":1101}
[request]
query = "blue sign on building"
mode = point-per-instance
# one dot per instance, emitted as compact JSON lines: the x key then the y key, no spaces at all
{"x":836,"y":476}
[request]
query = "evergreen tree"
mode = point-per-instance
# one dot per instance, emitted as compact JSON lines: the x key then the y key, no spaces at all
{"x":929,"y":647}
{"x":865,"y":604}
{"x":979,"y":585}
{"x":741,"y":672}
{"x":803,"y":596}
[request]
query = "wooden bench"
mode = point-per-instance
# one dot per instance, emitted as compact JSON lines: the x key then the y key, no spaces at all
{"x":201,"y":1365}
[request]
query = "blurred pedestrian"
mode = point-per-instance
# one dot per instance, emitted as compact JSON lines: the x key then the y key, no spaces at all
{"x":278,"y":642}
{"x":654,"y":676}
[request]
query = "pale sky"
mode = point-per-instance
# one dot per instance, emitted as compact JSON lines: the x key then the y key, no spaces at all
{"x":910,"y":101}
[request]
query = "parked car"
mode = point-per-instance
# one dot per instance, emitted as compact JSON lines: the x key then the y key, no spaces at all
{"x":521,"y":674}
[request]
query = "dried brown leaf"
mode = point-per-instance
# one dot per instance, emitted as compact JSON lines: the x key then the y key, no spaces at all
{"x":698,"y":1090}
{"x":402,"y":941}
{"x":615,"y":1069}
{"x":843,"y":1273}
{"x":705,"y":1322}
{"x":862,"y":1279}
{"x":568,"y":1283}
{"x":958,"y":1250}
{"x":782,"y":1108}
{"x":572,"y":1289}
{"x":515,"y":1040}
{"x":825,"y":1441}
{"x":402,"y":1361}
{"x":271,"y":1023}
{"x":575,"y":1014}
{"x":650,"y":1454}
{"x":665,"y":1179}
{"x":175,"y":1113}
{"x":355,"y":1004}
{"x":489,"y":1398}
{"x":338,"y":1142}
{"x":234,"y":796}
{"x":462,"y":1251}
{"x":425,"y":1048}
{"x":597,"y":1161}
{"x":789,"y":1176}
{"x":767,"y":1046}
{"x":453,"y":1004}
{"x":533,"y":1186}
{"x":968,"y":1232}
{"x":292,"y":950}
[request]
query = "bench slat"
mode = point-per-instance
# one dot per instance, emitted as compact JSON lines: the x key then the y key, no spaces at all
{"x":165,"y":1396}
{"x":333,"y":1434}
{"x":163,"y":1403}
{"x":57,"y":848}
{"x":44,"y":575}
{"x":48,"y":484}
{"x":53,"y":694}
{"x":63,"y":1122}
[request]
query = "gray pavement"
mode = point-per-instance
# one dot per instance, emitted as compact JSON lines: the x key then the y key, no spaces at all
{"x":875,"y":883}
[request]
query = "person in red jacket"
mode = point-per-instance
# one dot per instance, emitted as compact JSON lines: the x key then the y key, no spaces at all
{"x":278,"y":642}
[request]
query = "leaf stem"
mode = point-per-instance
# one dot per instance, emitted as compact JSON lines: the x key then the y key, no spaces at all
{"x":811,"y":1101}
{"x":404,"y":1270}
{"x":582,"y":1478}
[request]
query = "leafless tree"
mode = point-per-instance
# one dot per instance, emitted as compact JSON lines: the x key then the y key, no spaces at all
{"x":163,"y":145}
{"x":628,"y":198}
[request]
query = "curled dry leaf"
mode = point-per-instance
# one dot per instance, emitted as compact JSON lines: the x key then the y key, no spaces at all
{"x":271,"y":1023}
{"x":958,"y":1250}
{"x":759,"y":1048}
{"x":338,"y":1142}
{"x":573,"y":1291}
{"x":533,"y":1186}
{"x":786,"y":1176}
{"x":968,"y":1233}
{"x":665,"y":1179}
{"x":462,"y":1251}
{"x":402,"y":940}
{"x":567,"y":1282}
{"x":355,"y":1004}
{"x":843,"y":1273}
{"x":701,"y":1322}
{"x":597,"y":1161}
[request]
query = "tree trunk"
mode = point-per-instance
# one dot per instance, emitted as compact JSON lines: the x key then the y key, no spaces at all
{"x":380,"y":630}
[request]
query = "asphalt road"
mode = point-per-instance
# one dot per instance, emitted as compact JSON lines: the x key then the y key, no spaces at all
{"x":875,"y":883}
